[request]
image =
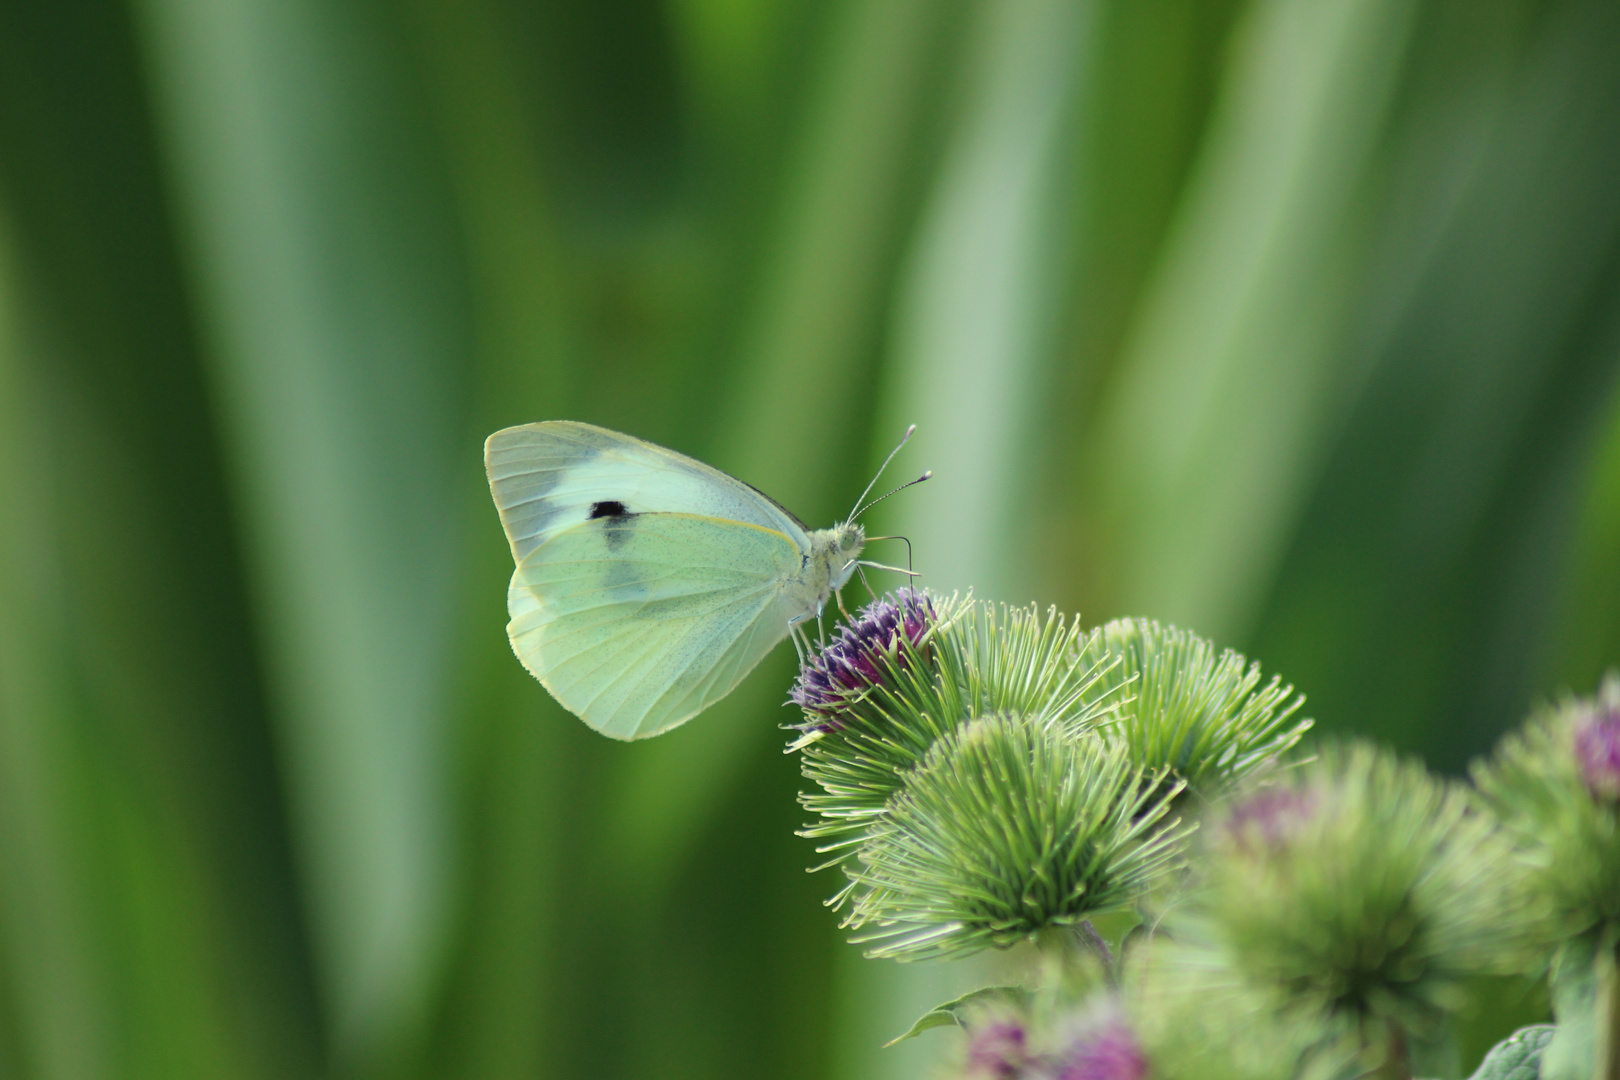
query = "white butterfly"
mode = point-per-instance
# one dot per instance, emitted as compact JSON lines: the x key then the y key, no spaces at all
{"x":648,"y":584}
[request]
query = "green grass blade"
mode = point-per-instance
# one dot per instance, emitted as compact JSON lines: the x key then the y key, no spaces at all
{"x":326,"y":263}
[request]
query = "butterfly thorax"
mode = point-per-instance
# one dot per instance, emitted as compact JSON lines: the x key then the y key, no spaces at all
{"x":827,"y":567}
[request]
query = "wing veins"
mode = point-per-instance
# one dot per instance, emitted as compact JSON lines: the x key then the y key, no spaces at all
{"x":639,"y":605}
{"x":710,"y":678}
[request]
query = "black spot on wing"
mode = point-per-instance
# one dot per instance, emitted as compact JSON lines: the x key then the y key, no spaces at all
{"x":616,"y":529}
{"x":607,"y":508}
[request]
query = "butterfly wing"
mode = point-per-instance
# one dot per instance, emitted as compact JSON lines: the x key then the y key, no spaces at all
{"x":636,"y":623}
{"x":551,"y":476}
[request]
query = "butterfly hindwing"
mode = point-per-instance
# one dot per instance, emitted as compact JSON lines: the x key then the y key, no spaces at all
{"x":551,"y":476}
{"x":637,"y":622}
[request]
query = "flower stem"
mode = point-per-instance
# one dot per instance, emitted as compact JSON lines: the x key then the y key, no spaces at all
{"x":1606,"y":1044}
{"x":1086,"y":936}
{"x":1396,"y":1064}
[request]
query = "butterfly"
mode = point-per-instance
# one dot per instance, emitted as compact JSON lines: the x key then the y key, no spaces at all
{"x":647,"y":583}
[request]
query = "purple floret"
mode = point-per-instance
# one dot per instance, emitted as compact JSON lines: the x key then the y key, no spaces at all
{"x":1597,"y":749}
{"x":850,"y":662}
{"x":997,"y":1050}
{"x":1270,"y":815}
{"x":1108,"y":1053}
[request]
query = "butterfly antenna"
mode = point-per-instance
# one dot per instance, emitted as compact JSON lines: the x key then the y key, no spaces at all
{"x":929,"y":475}
{"x":858,"y":508}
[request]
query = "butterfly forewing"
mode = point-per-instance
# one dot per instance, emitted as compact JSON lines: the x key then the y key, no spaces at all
{"x":637,"y":622}
{"x":551,"y":476}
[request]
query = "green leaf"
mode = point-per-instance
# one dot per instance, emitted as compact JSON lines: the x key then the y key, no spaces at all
{"x":952,"y":1012}
{"x":1517,"y":1057}
{"x":327,"y":264}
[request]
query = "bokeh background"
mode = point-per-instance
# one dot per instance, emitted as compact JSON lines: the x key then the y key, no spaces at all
{"x":1296,"y":322}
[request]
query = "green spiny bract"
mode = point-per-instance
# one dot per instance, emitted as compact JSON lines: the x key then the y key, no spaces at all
{"x":1364,"y":890}
{"x":1008,"y":826}
{"x":911,"y":667}
{"x":1183,"y":705}
{"x":1549,"y":784}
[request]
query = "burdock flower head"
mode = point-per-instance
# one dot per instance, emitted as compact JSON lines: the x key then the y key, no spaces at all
{"x":1556,"y":785}
{"x":1364,"y":890}
{"x":912,"y":668}
{"x":1597,"y":749}
{"x":1009,"y":826}
{"x":860,"y":654}
{"x":1185,"y":705}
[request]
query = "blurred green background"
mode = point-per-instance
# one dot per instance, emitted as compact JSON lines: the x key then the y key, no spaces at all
{"x":1296,"y":322}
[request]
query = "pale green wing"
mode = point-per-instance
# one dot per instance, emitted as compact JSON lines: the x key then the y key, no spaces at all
{"x":637,"y":623}
{"x":551,"y":476}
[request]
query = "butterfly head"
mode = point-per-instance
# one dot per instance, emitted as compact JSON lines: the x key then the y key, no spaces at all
{"x":848,"y":540}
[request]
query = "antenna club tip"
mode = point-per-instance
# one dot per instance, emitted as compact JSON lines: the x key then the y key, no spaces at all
{"x":929,"y":475}
{"x":910,"y":429}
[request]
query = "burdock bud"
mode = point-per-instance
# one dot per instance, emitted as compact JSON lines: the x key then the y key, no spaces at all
{"x":1181,"y":703}
{"x":1597,"y":749}
{"x":1555,"y":783}
{"x":1008,"y":826}
{"x":1108,"y":1052}
{"x":997,"y":1050}
{"x":911,"y":669}
{"x":854,"y":659}
{"x":1364,"y":890}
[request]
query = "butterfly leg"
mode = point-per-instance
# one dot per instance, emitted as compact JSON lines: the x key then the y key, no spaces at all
{"x":896,"y":569}
{"x":839,"y":596}
{"x":808,"y":650}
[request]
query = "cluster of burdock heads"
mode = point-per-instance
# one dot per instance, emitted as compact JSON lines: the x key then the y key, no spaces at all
{"x":1199,"y":898}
